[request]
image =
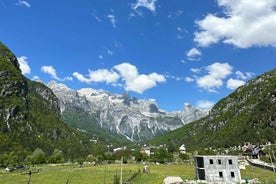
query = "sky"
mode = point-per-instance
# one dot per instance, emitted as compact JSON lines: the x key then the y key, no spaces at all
{"x":172,"y":52}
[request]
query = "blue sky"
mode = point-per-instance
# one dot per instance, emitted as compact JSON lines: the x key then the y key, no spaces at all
{"x":173,"y":52}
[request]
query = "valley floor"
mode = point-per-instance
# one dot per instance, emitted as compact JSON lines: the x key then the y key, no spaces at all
{"x":104,"y":174}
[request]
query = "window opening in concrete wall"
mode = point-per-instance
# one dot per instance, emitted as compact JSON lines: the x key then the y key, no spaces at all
{"x":201,"y":174}
{"x":219,"y":161}
{"x":220,"y":175}
{"x":211,"y":161}
{"x":230,"y":162}
{"x":232,"y":174}
{"x":200,"y":162}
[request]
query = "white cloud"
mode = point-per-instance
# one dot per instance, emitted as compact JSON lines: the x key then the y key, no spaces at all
{"x":194,"y":54}
{"x":244,"y":76}
{"x":195,"y":70}
{"x":189,"y":79}
{"x":23,"y":3}
{"x":110,"y":52}
{"x":101,"y":75}
{"x":131,"y":80}
{"x":135,"y":81}
{"x":169,"y":76}
{"x":234,"y":83}
{"x":112,"y":20}
{"x":35,"y":78}
{"x":98,"y":19}
{"x":183,"y":61}
{"x":174,"y":15}
{"x":148,"y":4}
{"x":118,"y":44}
{"x":52,"y":72}
{"x":24,"y":66}
{"x":214,"y":79}
{"x":245,"y":24}
{"x":179,"y":37}
{"x":100,"y":57}
{"x":181,"y":30}
{"x":241,"y":77}
{"x":205,"y":104}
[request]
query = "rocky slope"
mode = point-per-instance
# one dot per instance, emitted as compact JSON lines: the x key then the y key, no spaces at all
{"x":247,"y":115}
{"x":135,"y":119}
{"x":30,"y":114}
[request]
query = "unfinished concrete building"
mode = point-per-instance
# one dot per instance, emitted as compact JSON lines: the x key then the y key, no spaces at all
{"x":217,"y":169}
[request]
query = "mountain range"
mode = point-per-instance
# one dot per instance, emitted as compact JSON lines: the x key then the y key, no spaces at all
{"x":134,"y":119}
{"x":78,"y":122}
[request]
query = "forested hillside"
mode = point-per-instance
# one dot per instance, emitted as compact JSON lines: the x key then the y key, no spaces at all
{"x":30,"y":116}
{"x":247,"y":115}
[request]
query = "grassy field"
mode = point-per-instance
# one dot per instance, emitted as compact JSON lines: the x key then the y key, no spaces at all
{"x":105,"y":174}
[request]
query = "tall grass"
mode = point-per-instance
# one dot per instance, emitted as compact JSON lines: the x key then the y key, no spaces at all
{"x":104,"y":174}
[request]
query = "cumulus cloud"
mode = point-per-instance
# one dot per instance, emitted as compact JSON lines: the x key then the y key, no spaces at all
{"x":124,"y":73}
{"x":101,"y":75}
{"x":194,"y":54}
{"x":205,"y":104}
{"x":216,"y":72}
{"x":23,"y":3}
{"x":148,"y":4}
{"x":24,"y":66}
{"x":234,"y":83}
{"x":244,"y":24}
{"x":135,"y":81}
{"x":52,"y":72}
{"x":241,"y":77}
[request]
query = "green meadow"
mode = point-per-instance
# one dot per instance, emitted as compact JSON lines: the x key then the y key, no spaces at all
{"x":104,"y":174}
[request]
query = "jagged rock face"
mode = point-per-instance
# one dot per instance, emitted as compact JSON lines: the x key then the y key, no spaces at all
{"x":133,"y":118}
{"x":191,"y":113}
{"x":13,"y":91}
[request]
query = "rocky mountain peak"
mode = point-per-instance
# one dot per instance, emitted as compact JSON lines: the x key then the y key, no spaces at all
{"x":136,"y":119}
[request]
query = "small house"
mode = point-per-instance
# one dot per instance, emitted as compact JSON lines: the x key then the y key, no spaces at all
{"x":182,"y":149}
{"x":217,"y":169}
{"x":146,"y":150}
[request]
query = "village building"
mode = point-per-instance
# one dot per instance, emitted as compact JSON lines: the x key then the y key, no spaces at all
{"x":182,"y":149}
{"x":217,"y":169}
{"x":146,"y":150}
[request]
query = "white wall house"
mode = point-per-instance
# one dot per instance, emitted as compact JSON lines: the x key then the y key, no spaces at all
{"x":182,"y":149}
{"x":217,"y":169}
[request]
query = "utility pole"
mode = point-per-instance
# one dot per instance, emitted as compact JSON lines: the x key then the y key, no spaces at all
{"x":30,"y":175}
{"x":121,"y":178}
{"x":271,"y":159}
